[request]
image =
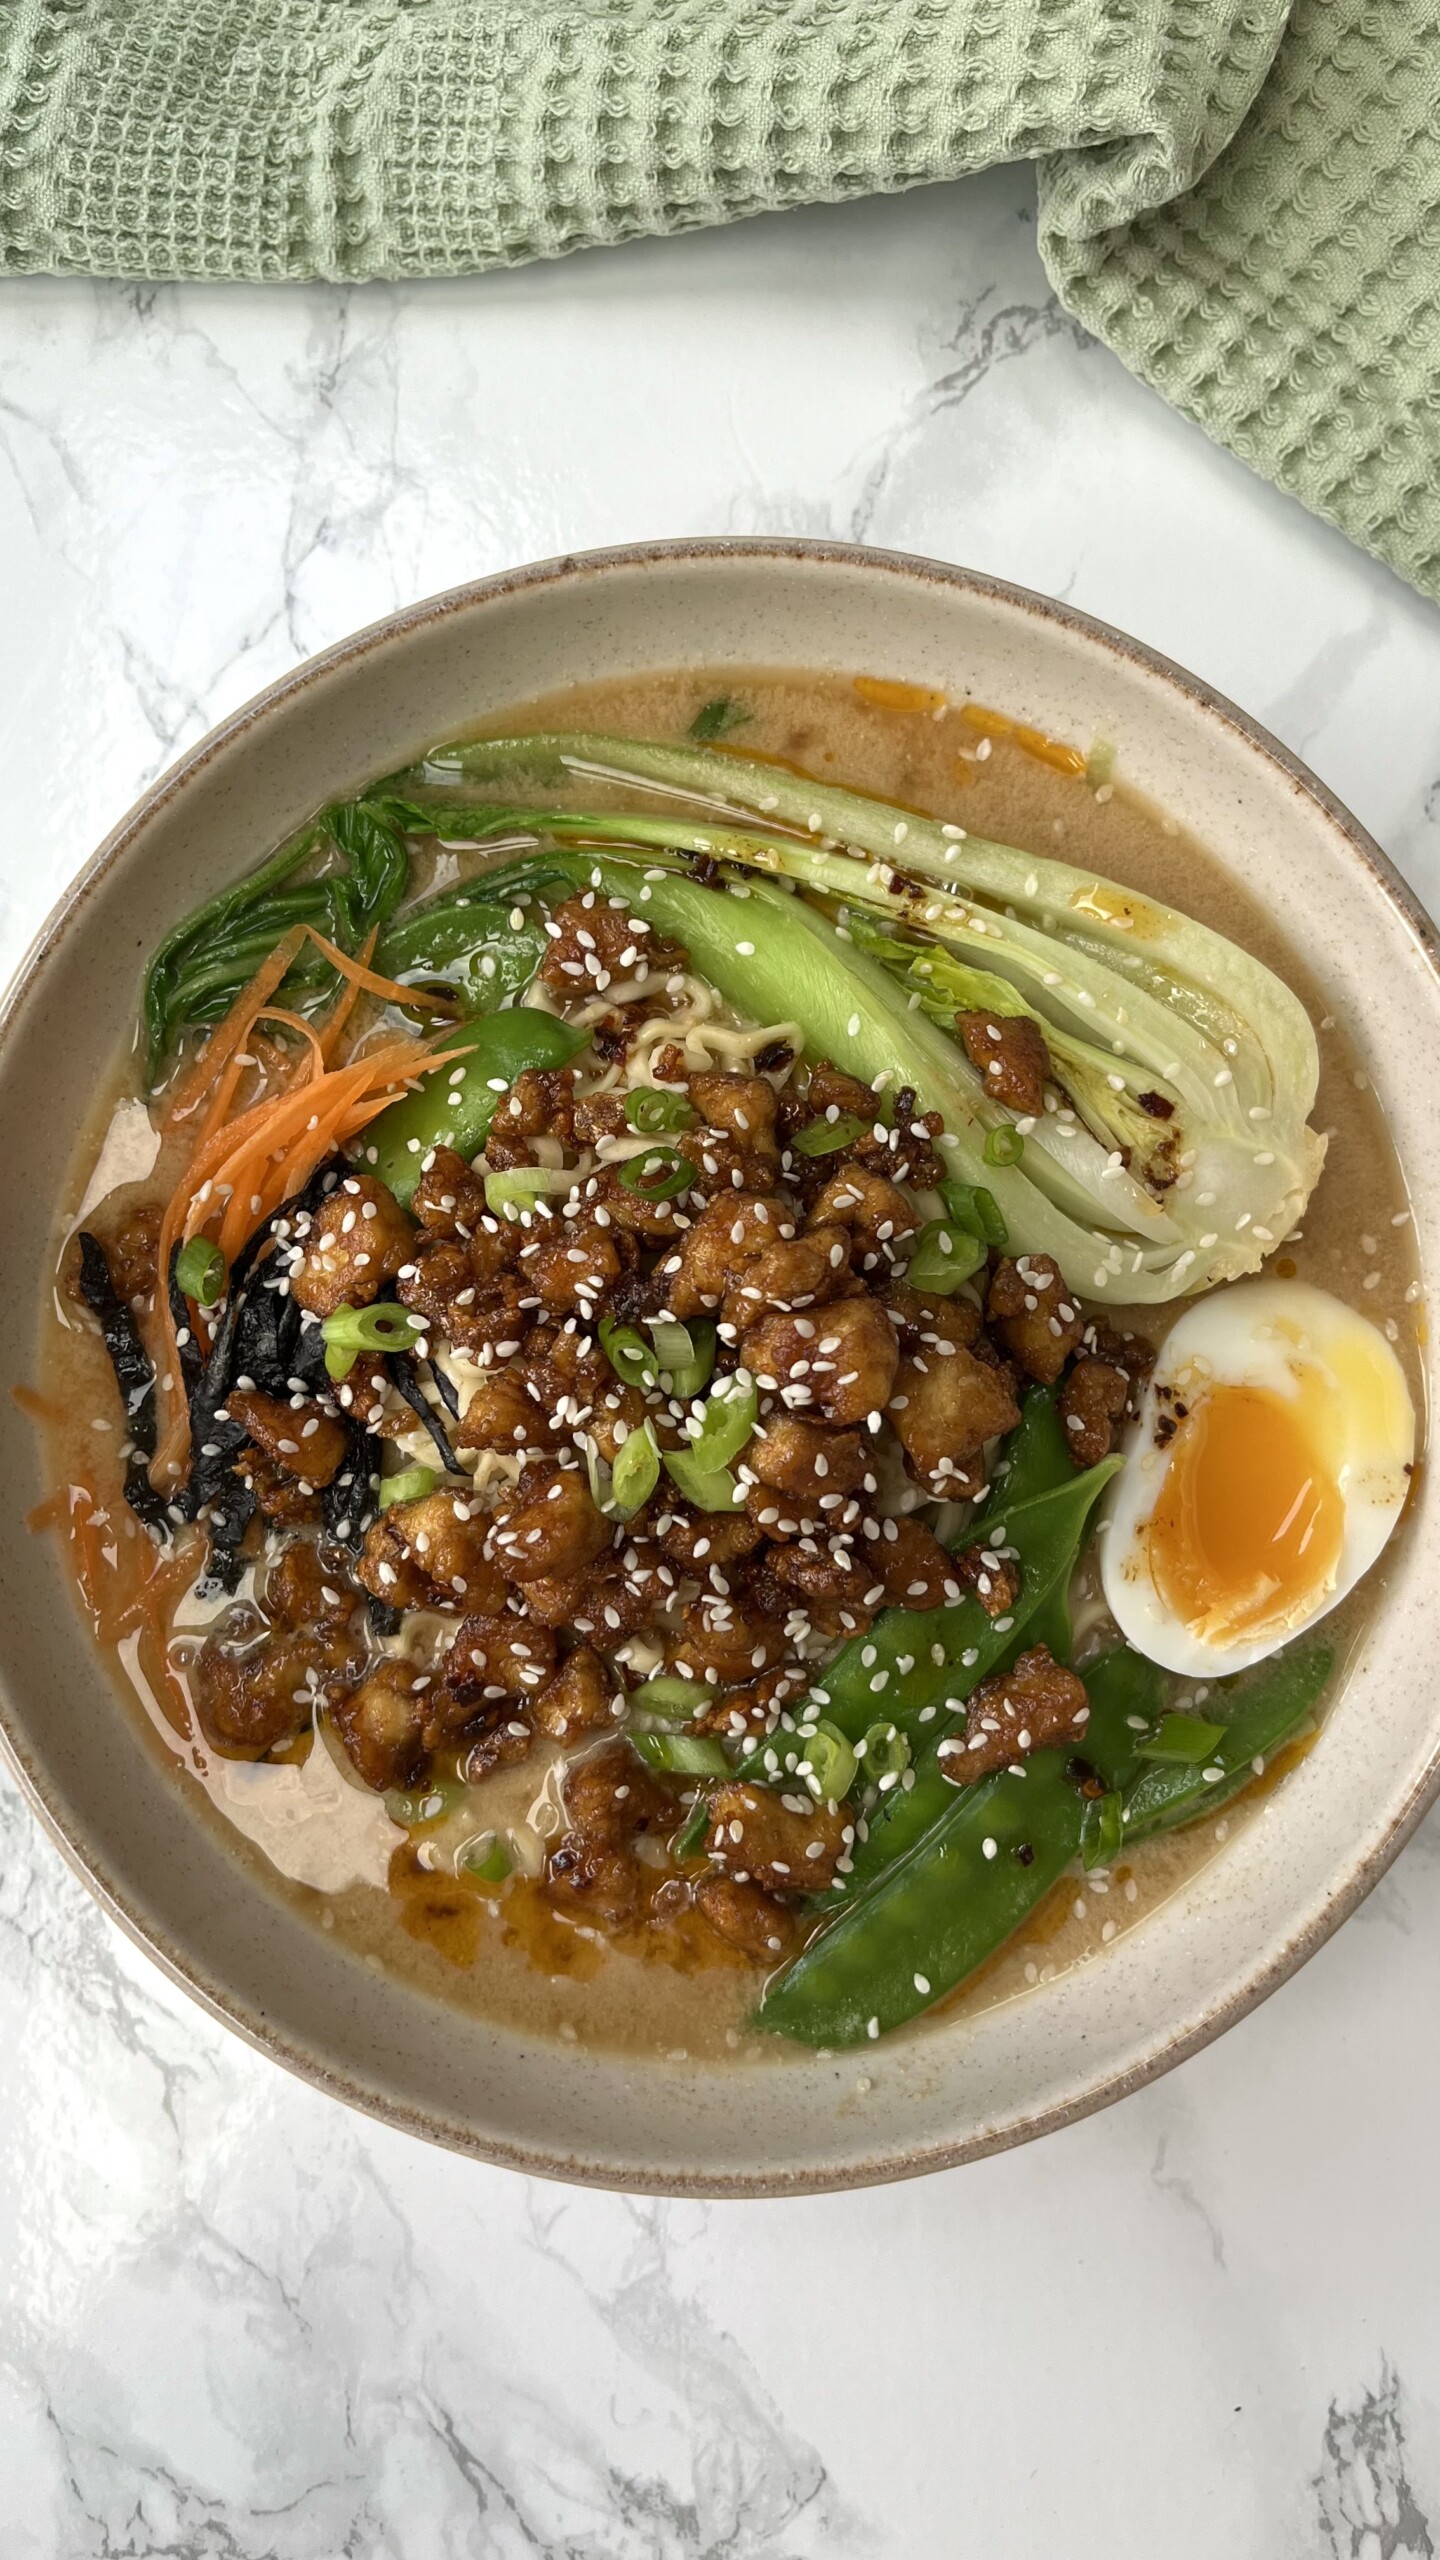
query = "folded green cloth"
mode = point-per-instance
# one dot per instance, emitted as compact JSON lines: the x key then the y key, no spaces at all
{"x":1242,"y":197}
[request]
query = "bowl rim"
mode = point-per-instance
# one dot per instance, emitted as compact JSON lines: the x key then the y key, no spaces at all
{"x":883,"y":2167}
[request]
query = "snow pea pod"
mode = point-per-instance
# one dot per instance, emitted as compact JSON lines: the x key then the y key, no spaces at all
{"x":1035,"y":1459}
{"x":456,"y":1104}
{"x":977,"y":1874}
{"x":1259,"y":1715}
{"x":913,"y":1660}
{"x":470,"y":941}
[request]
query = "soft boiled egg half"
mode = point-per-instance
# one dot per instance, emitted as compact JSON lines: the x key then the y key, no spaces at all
{"x":1269,"y":1463}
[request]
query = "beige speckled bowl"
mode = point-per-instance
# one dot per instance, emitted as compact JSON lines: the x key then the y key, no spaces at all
{"x":959,"y":2089}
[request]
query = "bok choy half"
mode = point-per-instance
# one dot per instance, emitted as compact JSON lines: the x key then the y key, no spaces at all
{"x":1174,"y":1151}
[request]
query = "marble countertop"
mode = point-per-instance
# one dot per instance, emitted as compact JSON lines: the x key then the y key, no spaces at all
{"x":238,"y":2321}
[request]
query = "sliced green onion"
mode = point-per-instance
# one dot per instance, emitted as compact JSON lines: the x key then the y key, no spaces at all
{"x":660,"y":1173}
{"x":827,"y":1137}
{"x":488,"y":1857}
{"x":1183,"y":1740}
{"x":635,"y":1472}
{"x":411,"y":1485}
{"x":629,"y":1354}
{"x":682,"y":1755}
{"x":691,"y":1833}
{"x":669,"y":1696}
{"x":885,"y":1752}
{"x":729,"y":1419}
{"x":351,"y":1330}
{"x":944,"y":1257}
{"x":200,"y":1271}
{"x":1102,"y":1828}
{"x":1004,"y":1145}
{"x":827,"y":1763}
{"x":686,"y":1354}
{"x":709,"y":1488}
{"x":976,"y":1210}
{"x":513,"y":1194}
{"x":648,"y":1109}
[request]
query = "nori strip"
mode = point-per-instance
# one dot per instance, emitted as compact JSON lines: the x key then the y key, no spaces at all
{"x":406,"y":1374}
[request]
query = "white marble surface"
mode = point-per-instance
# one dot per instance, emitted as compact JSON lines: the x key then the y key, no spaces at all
{"x":238,"y":2322}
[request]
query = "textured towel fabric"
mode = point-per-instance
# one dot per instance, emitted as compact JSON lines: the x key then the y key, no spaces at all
{"x":1242,"y":197}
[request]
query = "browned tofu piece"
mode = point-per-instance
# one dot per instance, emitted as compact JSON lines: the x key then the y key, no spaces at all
{"x":483,"y":1318}
{"x":570,"y":1270}
{"x":839,"y":1364}
{"x":913,"y":1566}
{"x":302,"y":1440}
{"x":501,"y":1415}
{"x":432,"y":1554}
{"x":496,"y":1658}
{"x":1092,"y":1407}
{"x":874,"y":1213}
{"x":581,"y":1698}
{"x":783,"y":1842}
{"x":382,"y":1724}
{"x":1034,"y":1317}
{"x":806,"y":1459}
{"x":610,"y":1797}
{"x":725,"y":1239}
{"x":944,"y":1411}
{"x":309,"y":1586}
{"x":1008,"y":1050}
{"x":249,"y":1702}
{"x":595,"y":940}
{"x":553,"y":1530}
{"x":742,"y":1106}
{"x":352,"y":1248}
{"x":1036,"y":1702}
{"x":745,"y":1916}
{"x":449,"y":1198}
{"x":805,"y":1271}
{"x":725,"y":1642}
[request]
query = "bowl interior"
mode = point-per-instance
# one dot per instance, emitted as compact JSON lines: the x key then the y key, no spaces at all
{"x":792,"y":2122}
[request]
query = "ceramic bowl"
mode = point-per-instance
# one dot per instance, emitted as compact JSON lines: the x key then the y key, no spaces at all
{"x":959,"y":2089}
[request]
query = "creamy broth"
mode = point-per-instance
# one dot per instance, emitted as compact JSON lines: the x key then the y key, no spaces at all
{"x":507,"y":1952}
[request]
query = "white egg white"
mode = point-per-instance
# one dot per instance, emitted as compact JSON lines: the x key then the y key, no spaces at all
{"x":1293,"y":1341}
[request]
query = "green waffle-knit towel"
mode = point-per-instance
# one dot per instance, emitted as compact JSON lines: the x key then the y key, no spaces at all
{"x":1242,"y":197}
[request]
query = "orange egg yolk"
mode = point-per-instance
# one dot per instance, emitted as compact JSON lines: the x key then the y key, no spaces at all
{"x":1247,"y":1529}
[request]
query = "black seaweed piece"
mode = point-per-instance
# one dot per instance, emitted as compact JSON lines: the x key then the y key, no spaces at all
{"x":134,"y":1375}
{"x":384,"y":1620}
{"x":445,"y":1388}
{"x":406,"y":1374}
{"x":151,"y":1509}
{"x":192,"y":1358}
{"x":347,"y":1502}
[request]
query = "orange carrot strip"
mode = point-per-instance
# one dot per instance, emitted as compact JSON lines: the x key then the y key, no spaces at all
{"x":46,"y":1514}
{"x":360,"y":976}
{"x":347,"y":999}
{"x":229,"y":1034}
{"x":38,"y":1407}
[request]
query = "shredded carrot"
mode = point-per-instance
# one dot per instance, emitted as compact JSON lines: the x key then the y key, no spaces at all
{"x":166,"y":1577}
{"x":47,"y":1514}
{"x":229,"y":1035}
{"x":346,"y":1000}
{"x":362,"y":976}
{"x":244,"y":1171}
{"x":38,"y":1407}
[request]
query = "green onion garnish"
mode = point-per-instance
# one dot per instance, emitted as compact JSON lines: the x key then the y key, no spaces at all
{"x":648,"y":1109}
{"x":827,"y":1137}
{"x":691,"y":1833}
{"x":670,"y":1697}
{"x":635,"y":1472}
{"x":629,"y":1354}
{"x":682,"y":1755}
{"x":944,"y":1256}
{"x":976,"y":1210}
{"x":488,"y":1858}
{"x":884,"y":1753}
{"x":351,"y":1330}
{"x":1004,"y":1145}
{"x":1182,"y":1739}
{"x":1102,"y":1830}
{"x":411,"y":1485}
{"x":709,"y":1488}
{"x":686,"y":1354}
{"x":827,"y":1763}
{"x":200,"y":1271}
{"x":660,"y":1173}
{"x":513,"y":1194}
{"x":729,"y":1419}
